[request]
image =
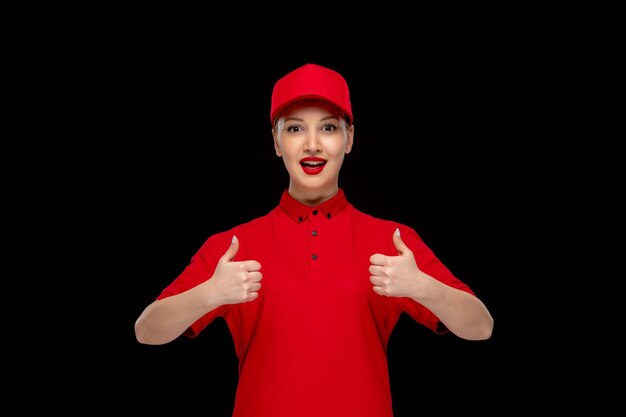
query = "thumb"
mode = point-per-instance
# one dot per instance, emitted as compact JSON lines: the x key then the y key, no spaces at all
{"x":397,"y":241}
{"x":231,"y":251}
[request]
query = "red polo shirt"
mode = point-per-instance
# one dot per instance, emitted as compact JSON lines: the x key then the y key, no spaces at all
{"x":314,"y":343}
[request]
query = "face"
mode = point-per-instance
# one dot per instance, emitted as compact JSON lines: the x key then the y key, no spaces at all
{"x":312,"y":137}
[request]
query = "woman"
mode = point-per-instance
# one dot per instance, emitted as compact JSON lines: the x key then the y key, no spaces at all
{"x":312,"y":290}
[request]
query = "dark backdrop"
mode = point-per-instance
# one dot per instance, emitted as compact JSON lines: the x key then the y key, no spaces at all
{"x":180,"y":148}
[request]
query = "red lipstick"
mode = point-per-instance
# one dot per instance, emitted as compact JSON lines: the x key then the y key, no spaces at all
{"x":312,"y":166}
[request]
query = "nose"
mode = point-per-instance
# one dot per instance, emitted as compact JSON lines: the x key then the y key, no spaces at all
{"x":313,"y":143}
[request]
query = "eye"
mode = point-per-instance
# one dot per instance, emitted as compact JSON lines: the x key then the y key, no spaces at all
{"x":293,"y":129}
{"x":330,"y":127}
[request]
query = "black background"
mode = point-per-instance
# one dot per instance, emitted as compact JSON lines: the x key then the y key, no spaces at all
{"x":174,"y":145}
{"x":429,"y":152}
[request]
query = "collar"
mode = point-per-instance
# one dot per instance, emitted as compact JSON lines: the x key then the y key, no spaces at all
{"x":300,"y":212}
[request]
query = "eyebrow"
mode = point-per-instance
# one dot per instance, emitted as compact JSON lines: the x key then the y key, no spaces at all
{"x":322,"y":119}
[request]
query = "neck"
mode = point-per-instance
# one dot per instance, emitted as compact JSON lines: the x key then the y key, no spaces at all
{"x":313,"y":197}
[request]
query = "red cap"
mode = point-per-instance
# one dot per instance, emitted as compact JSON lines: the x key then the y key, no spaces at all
{"x":311,"y":81}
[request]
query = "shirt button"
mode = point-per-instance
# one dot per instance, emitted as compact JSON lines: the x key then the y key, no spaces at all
{"x":315,"y":212}
{"x":314,"y":232}
{"x":314,"y":257}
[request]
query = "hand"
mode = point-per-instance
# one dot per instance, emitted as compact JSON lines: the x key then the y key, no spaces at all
{"x":236,"y":282}
{"x":395,"y":276}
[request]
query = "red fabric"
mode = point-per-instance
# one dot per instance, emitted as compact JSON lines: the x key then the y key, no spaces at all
{"x":314,"y":343}
{"x":311,"y":81}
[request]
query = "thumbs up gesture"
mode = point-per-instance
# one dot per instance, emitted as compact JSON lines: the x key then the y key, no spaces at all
{"x":395,"y":276}
{"x":236,"y":282}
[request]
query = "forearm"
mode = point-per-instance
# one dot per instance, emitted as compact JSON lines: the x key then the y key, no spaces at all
{"x":166,"y":319}
{"x":462,"y":313}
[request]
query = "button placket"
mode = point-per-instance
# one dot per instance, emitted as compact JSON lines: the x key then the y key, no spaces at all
{"x":314,"y":240}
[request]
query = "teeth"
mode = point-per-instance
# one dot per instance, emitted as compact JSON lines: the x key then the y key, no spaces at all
{"x":313,"y":163}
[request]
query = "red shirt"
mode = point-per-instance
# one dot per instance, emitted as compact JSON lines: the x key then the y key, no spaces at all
{"x":314,"y":343}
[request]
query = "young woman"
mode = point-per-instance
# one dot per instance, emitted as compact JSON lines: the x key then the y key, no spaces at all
{"x":312,"y":290}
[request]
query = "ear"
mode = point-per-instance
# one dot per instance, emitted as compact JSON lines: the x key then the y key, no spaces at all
{"x":276,"y":145}
{"x":350,"y":139}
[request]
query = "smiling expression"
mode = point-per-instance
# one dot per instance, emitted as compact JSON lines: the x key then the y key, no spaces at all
{"x":312,"y":137}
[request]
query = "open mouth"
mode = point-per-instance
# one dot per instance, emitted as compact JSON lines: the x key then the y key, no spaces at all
{"x":312,"y":166}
